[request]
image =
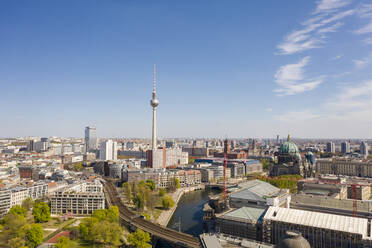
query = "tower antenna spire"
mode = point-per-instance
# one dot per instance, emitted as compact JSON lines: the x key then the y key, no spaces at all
{"x":154,"y":79}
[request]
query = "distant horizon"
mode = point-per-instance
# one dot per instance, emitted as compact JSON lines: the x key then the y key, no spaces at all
{"x":225,"y":68}
{"x":206,"y":138}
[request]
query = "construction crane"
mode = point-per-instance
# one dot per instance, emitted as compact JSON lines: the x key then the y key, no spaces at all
{"x":224,"y":174}
{"x":354,"y":187}
{"x":354,"y":196}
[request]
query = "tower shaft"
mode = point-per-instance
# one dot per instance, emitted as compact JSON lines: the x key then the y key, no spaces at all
{"x":154,"y":145}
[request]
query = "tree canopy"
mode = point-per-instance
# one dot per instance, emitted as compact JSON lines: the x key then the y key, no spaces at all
{"x":167,"y":202}
{"x":65,"y":242}
{"x":139,"y":239}
{"x":27,"y":203}
{"x":102,"y":227}
{"x":34,"y":235}
{"x":150,"y":184}
{"x":18,"y":210}
{"x":41,"y":212}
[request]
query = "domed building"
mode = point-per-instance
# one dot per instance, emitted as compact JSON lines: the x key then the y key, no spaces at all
{"x":289,"y":161}
{"x":293,"y":239}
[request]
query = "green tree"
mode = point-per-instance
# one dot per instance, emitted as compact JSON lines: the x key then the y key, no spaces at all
{"x":18,"y":210}
{"x":17,"y":242}
{"x":127,"y":191}
{"x":27,"y":203}
{"x":41,"y":212}
{"x":100,"y":214}
{"x":152,"y":201}
{"x":139,"y":239}
{"x":139,"y":201}
{"x":65,"y":242}
{"x":142,"y":184}
{"x":177,"y":183}
{"x":107,"y":233}
{"x":162,"y":192}
{"x":113,"y":214}
{"x":167,"y":202}
{"x":14,"y":224}
{"x":34,"y":235}
{"x":86,"y":226}
{"x":151,"y":184}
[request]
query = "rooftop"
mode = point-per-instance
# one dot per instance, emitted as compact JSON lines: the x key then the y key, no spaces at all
{"x":319,"y":220}
{"x":251,"y":214}
{"x":255,"y":190}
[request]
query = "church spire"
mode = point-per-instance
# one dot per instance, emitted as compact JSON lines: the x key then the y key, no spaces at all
{"x":288,"y":138}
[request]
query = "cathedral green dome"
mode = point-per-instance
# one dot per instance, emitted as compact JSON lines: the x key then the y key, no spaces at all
{"x":289,"y":148}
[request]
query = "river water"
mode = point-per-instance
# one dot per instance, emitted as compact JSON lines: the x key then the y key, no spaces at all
{"x":189,"y":213}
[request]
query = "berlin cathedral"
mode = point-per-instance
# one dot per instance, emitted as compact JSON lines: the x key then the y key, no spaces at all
{"x":290,"y":162}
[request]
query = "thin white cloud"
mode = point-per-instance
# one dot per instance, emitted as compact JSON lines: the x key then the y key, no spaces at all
{"x":365,"y":12}
{"x":291,"y":79}
{"x":294,"y":116}
{"x":291,"y":72}
{"x":312,"y":35}
{"x":330,"y":5}
{"x":352,"y":98}
{"x":368,"y":41}
{"x":336,"y":57}
{"x":365,"y":30}
{"x":362,"y":63}
{"x":330,"y":29}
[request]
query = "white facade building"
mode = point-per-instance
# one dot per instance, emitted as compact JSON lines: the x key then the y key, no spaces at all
{"x":5,"y":202}
{"x":108,"y":150}
{"x":165,"y":157}
{"x":18,"y":195}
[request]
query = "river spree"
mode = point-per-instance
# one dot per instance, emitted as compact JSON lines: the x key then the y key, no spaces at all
{"x":189,"y":213}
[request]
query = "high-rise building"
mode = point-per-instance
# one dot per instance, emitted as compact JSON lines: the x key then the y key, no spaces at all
{"x":331,"y":147}
{"x":90,"y":139}
{"x":166,"y":157}
{"x":108,"y":150}
{"x":30,"y":146}
{"x":364,"y":149}
{"x":345,"y":147}
{"x":154,"y":103}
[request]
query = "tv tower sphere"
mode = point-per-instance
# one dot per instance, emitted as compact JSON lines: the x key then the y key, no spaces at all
{"x":154,"y":102}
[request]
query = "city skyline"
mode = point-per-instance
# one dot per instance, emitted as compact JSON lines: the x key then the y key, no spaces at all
{"x":225,"y":70}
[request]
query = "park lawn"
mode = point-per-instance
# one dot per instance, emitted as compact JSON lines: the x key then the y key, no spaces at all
{"x":56,"y":223}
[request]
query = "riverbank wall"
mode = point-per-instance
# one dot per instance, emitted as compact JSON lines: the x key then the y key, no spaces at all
{"x":165,"y":216}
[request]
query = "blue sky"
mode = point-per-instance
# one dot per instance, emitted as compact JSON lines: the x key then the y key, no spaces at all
{"x":225,"y":68}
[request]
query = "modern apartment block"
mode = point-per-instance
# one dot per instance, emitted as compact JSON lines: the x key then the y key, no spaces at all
{"x":5,"y":201}
{"x":37,"y":190}
{"x":164,"y":178}
{"x":18,"y":195}
{"x":79,"y":199}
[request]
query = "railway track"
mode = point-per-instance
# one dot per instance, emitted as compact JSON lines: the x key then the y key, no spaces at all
{"x":128,"y":216}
